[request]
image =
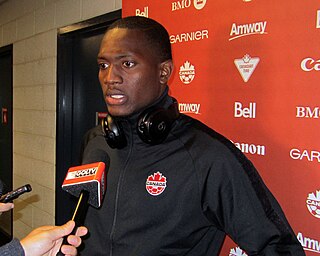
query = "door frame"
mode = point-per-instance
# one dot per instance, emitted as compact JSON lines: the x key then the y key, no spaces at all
{"x":8,"y":104}
{"x":65,"y":103}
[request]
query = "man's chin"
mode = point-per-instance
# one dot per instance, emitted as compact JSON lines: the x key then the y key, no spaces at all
{"x":119,"y":113}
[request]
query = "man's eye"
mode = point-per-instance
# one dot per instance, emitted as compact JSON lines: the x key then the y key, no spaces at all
{"x":128,"y":64}
{"x":103,"y":65}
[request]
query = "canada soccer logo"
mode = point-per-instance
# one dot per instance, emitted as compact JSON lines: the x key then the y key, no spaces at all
{"x":187,"y":72}
{"x":156,"y":184}
{"x":313,"y":203}
{"x":237,"y":252}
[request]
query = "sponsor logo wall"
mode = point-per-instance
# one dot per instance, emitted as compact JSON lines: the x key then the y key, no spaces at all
{"x":250,"y":70}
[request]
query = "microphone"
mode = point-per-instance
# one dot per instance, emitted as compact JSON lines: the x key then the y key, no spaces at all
{"x":89,"y":179}
{"x":14,"y":194}
{"x":88,"y":182}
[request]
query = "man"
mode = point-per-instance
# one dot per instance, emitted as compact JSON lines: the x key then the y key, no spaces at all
{"x":174,"y":186}
{"x":44,"y":240}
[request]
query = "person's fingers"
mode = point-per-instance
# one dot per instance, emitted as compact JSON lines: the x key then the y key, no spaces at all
{"x":61,"y":231}
{"x":74,"y":240}
{"x":69,"y":250}
{"x":6,"y":207}
{"x":81,"y":231}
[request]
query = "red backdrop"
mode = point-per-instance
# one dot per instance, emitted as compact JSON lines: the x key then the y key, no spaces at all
{"x":250,"y":70}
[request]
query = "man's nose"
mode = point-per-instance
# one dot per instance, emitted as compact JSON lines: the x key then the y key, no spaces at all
{"x":113,"y":75}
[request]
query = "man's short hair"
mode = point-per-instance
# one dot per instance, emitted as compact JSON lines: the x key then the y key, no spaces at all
{"x":156,"y":35}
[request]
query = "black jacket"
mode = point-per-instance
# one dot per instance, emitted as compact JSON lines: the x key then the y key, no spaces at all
{"x":182,"y":197}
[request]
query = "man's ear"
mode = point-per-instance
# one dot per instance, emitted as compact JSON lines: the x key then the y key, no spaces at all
{"x":166,"y":69}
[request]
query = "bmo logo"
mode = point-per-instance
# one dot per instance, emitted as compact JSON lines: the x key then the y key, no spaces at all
{"x":309,"y":64}
{"x":245,"y":111}
{"x":183,"y":4}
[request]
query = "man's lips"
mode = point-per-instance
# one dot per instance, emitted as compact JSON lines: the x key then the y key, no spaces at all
{"x":115,"y":99}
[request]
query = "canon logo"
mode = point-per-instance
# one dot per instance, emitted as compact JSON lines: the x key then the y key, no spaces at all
{"x":309,"y":155}
{"x":251,"y":148}
{"x":246,"y":112}
{"x":307,"y":112}
{"x":309,"y":64}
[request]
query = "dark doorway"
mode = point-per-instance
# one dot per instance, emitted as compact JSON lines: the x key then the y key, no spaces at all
{"x":6,"y":136}
{"x":79,"y":98}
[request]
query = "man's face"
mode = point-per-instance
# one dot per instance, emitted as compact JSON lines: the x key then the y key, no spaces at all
{"x":130,"y":74}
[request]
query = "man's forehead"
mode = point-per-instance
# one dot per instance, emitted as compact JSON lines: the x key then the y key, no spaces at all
{"x":124,"y":33}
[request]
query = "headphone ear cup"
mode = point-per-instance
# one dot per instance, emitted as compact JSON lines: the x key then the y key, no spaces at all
{"x":154,"y":126}
{"x":113,"y":132}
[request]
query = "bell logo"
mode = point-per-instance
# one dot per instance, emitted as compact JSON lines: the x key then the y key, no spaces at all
{"x":313,"y":203}
{"x":144,"y":13}
{"x":249,"y":112}
{"x":237,"y":252}
{"x":246,"y":66}
{"x":187,"y":73}
{"x":156,"y":184}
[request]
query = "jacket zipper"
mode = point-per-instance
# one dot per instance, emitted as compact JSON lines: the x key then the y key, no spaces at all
{"x":118,"y":191}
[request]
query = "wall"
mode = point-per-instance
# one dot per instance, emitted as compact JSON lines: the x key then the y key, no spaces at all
{"x":31,"y":26}
{"x":250,"y":70}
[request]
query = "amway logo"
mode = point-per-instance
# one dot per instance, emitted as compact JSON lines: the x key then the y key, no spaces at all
{"x":238,"y":31}
{"x":187,"y":72}
{"x":308,"y":112}
{"x":309,"y":64}
{"x":313,"y":203}
{"x":309,"y":244}
{"x":144,"y":13}
{"x":191,"y":108}
{"x":246,"y":66}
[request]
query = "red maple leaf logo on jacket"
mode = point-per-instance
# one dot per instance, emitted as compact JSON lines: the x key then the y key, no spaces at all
{"x":156,"y":184}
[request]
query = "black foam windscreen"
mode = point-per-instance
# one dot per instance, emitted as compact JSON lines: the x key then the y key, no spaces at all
{"x":97,"y":155}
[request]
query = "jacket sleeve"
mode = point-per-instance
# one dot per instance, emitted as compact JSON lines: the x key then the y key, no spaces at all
{"x":238,"y":202}
{"x":13,"y":248}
